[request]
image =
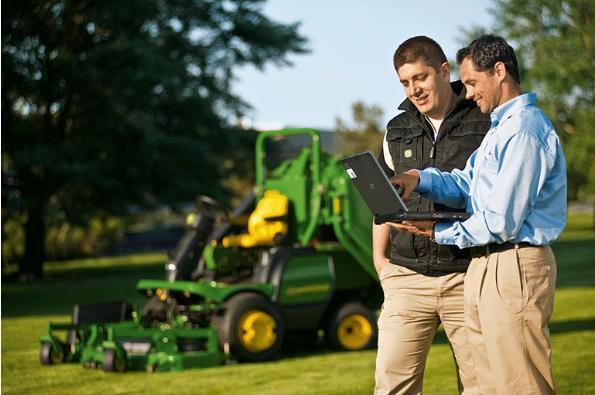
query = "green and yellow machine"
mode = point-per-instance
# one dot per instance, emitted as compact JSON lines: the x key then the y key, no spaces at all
{"x":293,"y":259}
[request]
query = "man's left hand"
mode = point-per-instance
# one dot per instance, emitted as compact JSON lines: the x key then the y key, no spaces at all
{"x":420,"y":228}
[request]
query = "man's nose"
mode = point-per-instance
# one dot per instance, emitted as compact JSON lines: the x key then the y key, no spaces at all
{"x":415,"y":89}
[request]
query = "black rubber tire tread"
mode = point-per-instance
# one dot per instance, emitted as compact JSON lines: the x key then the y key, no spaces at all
{"x":47,"y":354}
{"x":298,"y":341}
{"x":331,"y":333}
{"x":111,"y":363}
{"x":235,"y":307}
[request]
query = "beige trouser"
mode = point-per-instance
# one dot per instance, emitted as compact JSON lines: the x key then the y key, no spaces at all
{"x":414,"y":305}
{"x":509,"y":297}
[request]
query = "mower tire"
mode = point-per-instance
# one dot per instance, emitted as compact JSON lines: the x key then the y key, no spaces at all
{"x":253,"y":328}
{"x":48,"y":355}
{"x":112,"y":363}
{"x":352,"y":327}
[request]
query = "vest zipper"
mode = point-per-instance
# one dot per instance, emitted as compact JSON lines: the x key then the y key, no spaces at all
{"x":433,"y":164}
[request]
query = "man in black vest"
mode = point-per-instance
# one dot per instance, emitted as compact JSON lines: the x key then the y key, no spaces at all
{"x":423,"y":281}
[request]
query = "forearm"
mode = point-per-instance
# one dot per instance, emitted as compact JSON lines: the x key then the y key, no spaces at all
{"x":451,"y":189}
{"x":380,"y":242}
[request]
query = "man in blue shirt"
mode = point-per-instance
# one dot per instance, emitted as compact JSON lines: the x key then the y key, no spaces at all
{"x":514,"y":185}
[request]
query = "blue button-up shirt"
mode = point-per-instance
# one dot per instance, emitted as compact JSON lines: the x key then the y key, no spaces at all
{"x":514,"y":184}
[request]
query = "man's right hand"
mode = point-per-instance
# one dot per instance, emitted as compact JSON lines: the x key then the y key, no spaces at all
{"x":407,"y":182}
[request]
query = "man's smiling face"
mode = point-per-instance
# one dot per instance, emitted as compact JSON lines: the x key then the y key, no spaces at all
{"x":427,"y":88}
{"x":482,"y":87}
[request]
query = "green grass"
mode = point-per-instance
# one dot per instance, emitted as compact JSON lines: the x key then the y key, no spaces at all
{"x":26,"y":309}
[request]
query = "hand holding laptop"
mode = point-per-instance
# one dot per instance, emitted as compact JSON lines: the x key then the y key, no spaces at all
{"x":419,"y":227}
{"x":405,"y":183}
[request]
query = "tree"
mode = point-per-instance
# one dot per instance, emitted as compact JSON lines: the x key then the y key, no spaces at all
{"x":105,"y":104}
{"x":554,"y":43}
{"x":366,"y":133}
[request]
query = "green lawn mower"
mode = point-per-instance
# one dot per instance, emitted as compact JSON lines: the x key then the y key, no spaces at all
{"x":292,"y":259}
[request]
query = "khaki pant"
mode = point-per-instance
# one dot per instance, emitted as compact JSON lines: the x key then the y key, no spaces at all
{"x":414,"y":305}
{"x":509,"y":297}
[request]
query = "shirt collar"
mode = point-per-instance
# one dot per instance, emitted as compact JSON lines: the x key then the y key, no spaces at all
{"x":512,"y":106}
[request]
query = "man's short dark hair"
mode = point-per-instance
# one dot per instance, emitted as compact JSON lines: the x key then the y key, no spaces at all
{"x":419,"y":47}
{"x":488,"y":49}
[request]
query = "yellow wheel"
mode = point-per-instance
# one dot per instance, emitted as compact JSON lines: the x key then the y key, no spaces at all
{"x":256,"y":331}
{"x":252,"y":326}
{"x":354,"y":332}
{"x":352,"y":327}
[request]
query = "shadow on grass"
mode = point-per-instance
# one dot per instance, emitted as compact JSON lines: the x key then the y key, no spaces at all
{"x":299,"y":350}
{"x":575,"y":263}
{"x":59,"y":291}
{"x":557,"y":327}
{"x":587,"y":324}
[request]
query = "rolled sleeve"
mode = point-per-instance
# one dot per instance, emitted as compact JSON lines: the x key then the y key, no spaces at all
{"x":425,"y":182}
{"x":444,"y":233}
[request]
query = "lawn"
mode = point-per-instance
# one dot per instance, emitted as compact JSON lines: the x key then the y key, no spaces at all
{"x":26,"y":308}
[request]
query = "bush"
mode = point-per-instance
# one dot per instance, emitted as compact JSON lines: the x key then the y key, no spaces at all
{"x":63,"y":240}
{"x":67,"y":241}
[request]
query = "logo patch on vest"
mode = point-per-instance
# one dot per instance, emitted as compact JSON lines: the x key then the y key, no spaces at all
{"x":408,"y":153}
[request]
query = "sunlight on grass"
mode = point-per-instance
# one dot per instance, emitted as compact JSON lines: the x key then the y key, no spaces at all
{"x":106,"y":262}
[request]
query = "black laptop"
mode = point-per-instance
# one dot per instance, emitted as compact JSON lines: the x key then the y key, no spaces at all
{"x":380,"y":195}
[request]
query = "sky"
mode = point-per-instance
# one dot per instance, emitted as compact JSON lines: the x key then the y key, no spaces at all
{"x":352,"y":44}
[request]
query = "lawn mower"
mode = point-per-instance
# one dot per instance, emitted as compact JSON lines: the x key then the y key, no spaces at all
{"x":293,"y":260}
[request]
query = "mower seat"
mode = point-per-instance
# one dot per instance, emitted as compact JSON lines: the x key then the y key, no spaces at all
{"x":267,"y":224}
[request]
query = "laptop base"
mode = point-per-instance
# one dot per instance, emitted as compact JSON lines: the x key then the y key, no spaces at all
{"x":420,"y":216}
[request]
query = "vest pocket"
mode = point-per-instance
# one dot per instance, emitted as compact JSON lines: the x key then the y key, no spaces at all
{"x":405,"y":147}
{"x":408,"y":151}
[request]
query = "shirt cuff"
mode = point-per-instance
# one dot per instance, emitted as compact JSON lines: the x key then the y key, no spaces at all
{"x":425,"y":182}
{"x":444,"y":233}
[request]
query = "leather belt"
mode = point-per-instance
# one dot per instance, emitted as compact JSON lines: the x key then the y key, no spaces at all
{"x":495,"y":247}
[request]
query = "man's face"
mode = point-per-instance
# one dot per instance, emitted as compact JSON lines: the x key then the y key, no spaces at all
{"x":427,"y":88}
{"x":482,"y":87}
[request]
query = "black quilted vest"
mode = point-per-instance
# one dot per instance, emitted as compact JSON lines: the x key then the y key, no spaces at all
{"x":411,"y":144}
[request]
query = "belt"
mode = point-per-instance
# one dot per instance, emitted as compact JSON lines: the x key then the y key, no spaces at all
{"x":495,"y":247}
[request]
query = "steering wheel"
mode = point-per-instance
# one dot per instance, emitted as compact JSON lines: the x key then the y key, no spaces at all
{"x":210,"y":207}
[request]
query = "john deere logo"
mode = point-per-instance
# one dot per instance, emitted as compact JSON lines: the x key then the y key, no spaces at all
{"x":408,"y":153}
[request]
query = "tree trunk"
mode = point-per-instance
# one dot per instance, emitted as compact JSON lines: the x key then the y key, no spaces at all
{"x":32,"y":264}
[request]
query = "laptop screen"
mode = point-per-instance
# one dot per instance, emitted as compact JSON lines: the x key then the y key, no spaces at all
{"x":373,"y":184}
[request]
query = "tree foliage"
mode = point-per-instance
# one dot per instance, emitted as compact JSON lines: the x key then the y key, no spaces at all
{"x":365,"y":134}
{"x":554,"y":43}
{"x":105,"y":103}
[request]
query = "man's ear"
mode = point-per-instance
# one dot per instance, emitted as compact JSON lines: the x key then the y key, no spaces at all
{"x":500,"y":71}
{"x":445,"y":70}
